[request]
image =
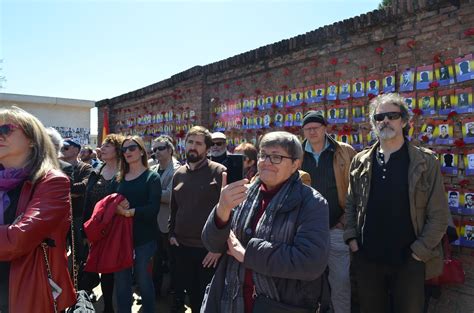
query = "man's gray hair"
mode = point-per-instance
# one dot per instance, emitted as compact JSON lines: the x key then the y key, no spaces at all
{"x":395,"y":99}
{"x":289,"y":142}
{"x":56,"y":137}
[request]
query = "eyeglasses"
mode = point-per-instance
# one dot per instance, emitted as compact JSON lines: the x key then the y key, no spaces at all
{"x":160,"y":148}
{"x":274,"y":158}
{"x":312,"y":129}
{"x":390,"y":115}
{"x":7,"y":129}
{"x":220,"y":143}
{"x":131,"y":148}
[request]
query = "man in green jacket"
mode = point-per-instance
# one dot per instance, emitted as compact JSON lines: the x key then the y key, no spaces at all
{"x":396,"y":214}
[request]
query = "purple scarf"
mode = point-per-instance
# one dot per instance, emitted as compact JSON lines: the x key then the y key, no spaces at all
{"x":10,"y":178}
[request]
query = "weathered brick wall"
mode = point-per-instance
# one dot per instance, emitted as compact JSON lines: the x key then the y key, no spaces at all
{"x":410,"y":33}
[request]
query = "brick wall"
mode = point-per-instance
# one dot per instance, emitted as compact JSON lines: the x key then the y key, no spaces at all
{"x":410,"y":33}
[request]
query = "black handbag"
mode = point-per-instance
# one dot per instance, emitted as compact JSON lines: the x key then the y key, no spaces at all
{"x":266,"y":305}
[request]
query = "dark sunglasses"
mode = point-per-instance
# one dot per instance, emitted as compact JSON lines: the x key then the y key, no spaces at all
{"x":390,"y":115}
{"x":7,"y":129}
{"x":220,"y":143}
{"x":160,"y":148}
{"x":131,"y":148}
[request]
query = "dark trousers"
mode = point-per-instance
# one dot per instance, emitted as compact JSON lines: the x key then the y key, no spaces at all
{"x":161,"y":260}
{"x":191,"y":275}
{"x":389,"y":288}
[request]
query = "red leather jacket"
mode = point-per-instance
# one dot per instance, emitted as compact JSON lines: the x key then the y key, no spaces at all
{"x":110,"y":236}
{"x":43,"y":212}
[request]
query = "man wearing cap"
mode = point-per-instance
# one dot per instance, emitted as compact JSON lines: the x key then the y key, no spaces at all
{"x":81,"y":171}
{"x":328,"y":161}
{"x":219,"y":148}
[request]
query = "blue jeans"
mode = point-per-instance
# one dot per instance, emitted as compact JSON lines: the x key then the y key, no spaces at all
{"x":143,"y":275}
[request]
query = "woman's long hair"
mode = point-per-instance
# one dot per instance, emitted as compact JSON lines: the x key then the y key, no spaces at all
{"x":124,"y":166}
{"x":43,"y":156}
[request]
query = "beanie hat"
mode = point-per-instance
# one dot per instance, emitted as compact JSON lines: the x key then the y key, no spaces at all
{"x":314,"y":117}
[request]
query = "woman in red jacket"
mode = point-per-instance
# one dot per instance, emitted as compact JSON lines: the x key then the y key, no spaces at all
{"x":34,"y":209}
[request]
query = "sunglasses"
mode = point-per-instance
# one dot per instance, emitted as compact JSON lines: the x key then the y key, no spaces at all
{"x":160,"y":148}
{"x":64,"y":148}
{"x":131,"y":148}
{"x":7,"y":129}
{"x":390,"y":115}
{"x":217,"y":144}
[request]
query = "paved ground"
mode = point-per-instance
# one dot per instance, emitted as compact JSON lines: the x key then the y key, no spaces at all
{"x":162,"y":304}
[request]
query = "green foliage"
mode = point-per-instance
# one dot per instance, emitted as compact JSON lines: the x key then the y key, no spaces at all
{"x":385,"y":3}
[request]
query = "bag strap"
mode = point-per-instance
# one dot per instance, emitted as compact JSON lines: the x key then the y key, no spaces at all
{"x":447,"y":248}
{"x":73,"y":255}
{"x":48,"y":270}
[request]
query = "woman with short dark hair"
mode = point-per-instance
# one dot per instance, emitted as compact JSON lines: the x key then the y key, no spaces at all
{"x":276,"y":233}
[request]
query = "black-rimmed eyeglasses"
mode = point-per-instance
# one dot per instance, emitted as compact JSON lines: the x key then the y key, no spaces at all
{"x":274,"y":158}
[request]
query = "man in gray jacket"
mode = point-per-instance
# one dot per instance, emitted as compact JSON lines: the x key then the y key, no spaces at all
{"x":163,"y":149}
{"x":396,"y":212}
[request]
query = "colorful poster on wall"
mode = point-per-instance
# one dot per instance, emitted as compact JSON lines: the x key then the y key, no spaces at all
{"x":449,"y":162}
{"x":358,"y":88}
{"x":289,"y":119}
{"x":469,"y":162}
{"x":406,"y":79}
{"x":426,"y":103}
{"x":464,"y":68}
{"x":358,"y":112}
{"x":445,"y":100}
{"x":453,"y":199}
{"x":389,"y":82}
{"x":338,"y":114}
{"x":444,"y":73}
{"x":278,"y":119}
{"x":463,"y":100}
{"x":332,"y":91}
{"x":424,"y":76}
{"x":298,"y":118}
{"x":444,"y":132}
{"x":468,"y":130}
{"x":410,"y":100}
{"x":310,"y":95}
{"x":372,"y":85}
{"x":279,"y":100}
{"x":345,"y":89}
{"x":467,"y":233}
{"x":356,"y":141}
{"x":427,"y":132}
{"x":267,"y":119}
{"x":261,"y":103}
{"x":320,"y":93}
{"x":268,"y":102}
{"x":467,"y":203}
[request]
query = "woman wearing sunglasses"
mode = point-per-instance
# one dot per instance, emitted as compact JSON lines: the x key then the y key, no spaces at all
{"x":100,"y":184}
{"x":142,"y":189}
{"x":34,"y":218}
{"x":276,"y":234}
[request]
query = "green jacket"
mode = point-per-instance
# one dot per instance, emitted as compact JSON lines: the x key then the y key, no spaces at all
{"x":428,"y":203}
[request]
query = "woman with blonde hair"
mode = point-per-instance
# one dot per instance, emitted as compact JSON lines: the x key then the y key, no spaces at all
{"x":142,"y":189}
{"x":34,"y":218}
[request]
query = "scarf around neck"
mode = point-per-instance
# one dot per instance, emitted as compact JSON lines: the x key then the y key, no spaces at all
{"x":10,"y":178}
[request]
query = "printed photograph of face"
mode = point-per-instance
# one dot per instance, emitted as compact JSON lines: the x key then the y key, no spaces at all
{"x":470,"y":129}
{"x":443,"y":131}
{"x":448,"y":160}
{"x":453,"y":199}
{"x":470,"y":161}
{"x":469,"y":200}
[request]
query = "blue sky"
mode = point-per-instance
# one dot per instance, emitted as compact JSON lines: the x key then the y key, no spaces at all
{"x":100,"y":49}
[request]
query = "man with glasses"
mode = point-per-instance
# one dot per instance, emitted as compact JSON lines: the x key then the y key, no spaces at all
{"x":219,"y":149}
{"x":163,"y":150}
{"x":327,"y":161}
{"x":396,"y":212}
{"x":81,"y":172}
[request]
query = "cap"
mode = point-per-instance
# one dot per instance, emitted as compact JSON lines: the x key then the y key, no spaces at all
{"x":314,"y":117}
{"x":71,"y":142}
{"x":218,"y":135}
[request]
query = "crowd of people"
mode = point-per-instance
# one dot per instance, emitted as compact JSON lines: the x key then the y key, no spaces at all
{"x":311,"y":226}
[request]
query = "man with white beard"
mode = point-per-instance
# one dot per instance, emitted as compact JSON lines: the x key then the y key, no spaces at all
{"x":219,"y":148}
{"x":397,"y":213}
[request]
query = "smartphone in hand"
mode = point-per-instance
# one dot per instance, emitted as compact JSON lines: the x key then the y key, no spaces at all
{"x":235,"y":167}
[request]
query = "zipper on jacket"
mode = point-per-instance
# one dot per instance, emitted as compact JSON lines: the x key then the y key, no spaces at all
{"x":254,"y":292}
